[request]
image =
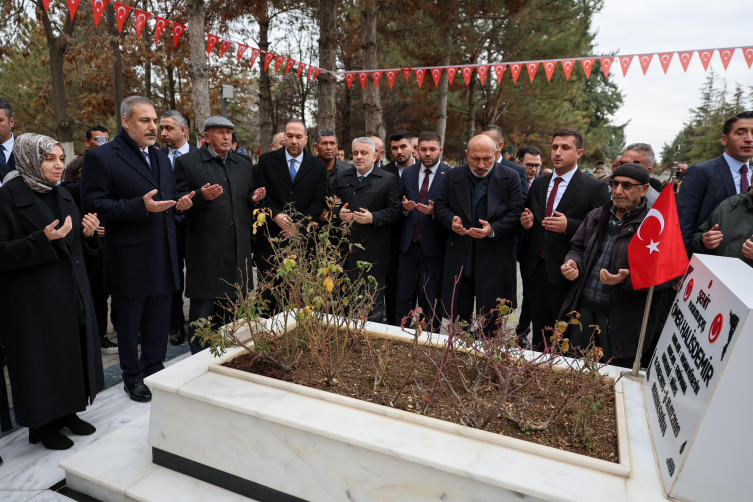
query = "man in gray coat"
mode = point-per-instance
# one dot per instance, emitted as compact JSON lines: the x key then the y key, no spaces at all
{"x":219,"y":226}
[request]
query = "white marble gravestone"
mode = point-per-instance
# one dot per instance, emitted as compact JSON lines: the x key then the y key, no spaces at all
{"x":697,"y":387}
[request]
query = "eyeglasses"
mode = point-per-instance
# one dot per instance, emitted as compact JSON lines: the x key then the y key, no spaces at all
{"x":533,"y":166}
{"x":626,"y":185}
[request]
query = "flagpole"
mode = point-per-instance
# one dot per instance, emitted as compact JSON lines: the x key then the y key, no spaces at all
{"x":642,"y":339}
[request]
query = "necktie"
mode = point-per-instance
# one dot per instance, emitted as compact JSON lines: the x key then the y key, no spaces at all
{"x":744,"y":183}
{"x":361,"y":178}
{"x":550,"y":203}
{"x":146,"y":158}
{"x":3,"y":160}
{"x":176,"y":154}
{"x":422,"y":198}
{"x":292,"y":169}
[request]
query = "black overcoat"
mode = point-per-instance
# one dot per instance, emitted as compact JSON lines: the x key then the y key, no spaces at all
{"x":495,"y":259}
{"x":379,"y":194}
{"x":53,"y":368}
{"x":218,"y":232}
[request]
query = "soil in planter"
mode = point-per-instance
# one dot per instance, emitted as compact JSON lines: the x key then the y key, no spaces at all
{"x":357,"y":381}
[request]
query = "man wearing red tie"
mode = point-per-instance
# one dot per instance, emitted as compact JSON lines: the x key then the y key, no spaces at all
{"x":556,"y":206}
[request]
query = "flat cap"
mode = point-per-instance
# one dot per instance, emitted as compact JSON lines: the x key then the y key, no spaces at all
{"x":218,"y":121}
{"x":637,"y":172}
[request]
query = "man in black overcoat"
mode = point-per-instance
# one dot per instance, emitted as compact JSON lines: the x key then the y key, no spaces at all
{"x":129,"y":184}
{"x":480,"y":205}
{"x":219,"y":224}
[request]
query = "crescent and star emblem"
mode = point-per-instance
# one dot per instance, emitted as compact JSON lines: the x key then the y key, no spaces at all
{"x":586,"y":63}
{"x":654,"y":246}
{"x":567,"y":64}
{"x":644,"y":59}
{"x":99,"y":7}
{"x":549,"y":66}
{"x":665,"y":58}
{"x":121,"y":11}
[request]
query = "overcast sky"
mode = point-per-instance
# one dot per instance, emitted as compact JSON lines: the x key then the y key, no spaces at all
{"x":656,"y":104}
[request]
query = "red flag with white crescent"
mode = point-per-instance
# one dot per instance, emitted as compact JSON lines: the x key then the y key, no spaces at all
{"x":317,"y":71}
{"x":349,"y":76}
{"x":451,"y":72}
{"x":301,"y":67}
{"x":685,"y":58}
{"x":242,"y":48}
{"x":377,"y":77}
{"x":46,"y":5}
{"x":587,"y":65}
{"x":436,"y":74}
{"x":705,"y":58}
{"x":532,"y":67}
{"x":606,"y":65}
{"x":160,"y":23}
{"x":625,"y":64}
{"x":363,"y":77}
{"x":121,"y":14}
{"x":73,"y":7}
{"x":420,"y":74}
{"x":567,"y":67}
{"x":549,"y":69}
{"x":312,"y":70}
{"x":665,"y":59}
{"x":726,"y":55}
{"x":268,"y":57}
{"x":141,"y":18}
{"x":98,"y":7}
{"x":279,"y":60}
{"x":515,"y":70}
{"x":224,"y":47}
{"x":482,"y":71}
{"x":499,"y":70}
{"x":645,"y":61}
{"x":178,"y":31}
{"x":254,"y":54}
{"x":656,"y":252}
{"x":406,"y":73}
{"x":391,"y":74}
{"x":748,"y":53}
{"x":211,"y":42}
{"x":289,"y":66}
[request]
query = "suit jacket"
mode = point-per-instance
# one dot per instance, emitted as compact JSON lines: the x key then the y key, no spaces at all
{"x":704,"y":186}
{"x":583,"y":194}
{"x":10,"y":165}
{"x":140,"y":251}
{"x":218,"y":232}
{"x":379,"y":194}
{"x":432,"y":234}
{"x":166,"y":150}
{"x":396,"y":228}
{"x":521,"y":172}
{"x":494,"y":266}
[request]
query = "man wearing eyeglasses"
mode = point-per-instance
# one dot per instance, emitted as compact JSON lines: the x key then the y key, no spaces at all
{"x":597,"y":264}
{"x":530,"y":158}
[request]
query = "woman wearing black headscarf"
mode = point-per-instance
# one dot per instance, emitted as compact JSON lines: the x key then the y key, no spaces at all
{"x":47,"y":317}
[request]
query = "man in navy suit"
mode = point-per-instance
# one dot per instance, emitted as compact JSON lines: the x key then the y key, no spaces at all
{"x":706,"y":185}
{"x":422,"y":238}
{"x":496,"y":134}
{"x":7,"y":139}
{"x":129,"y":184}
{"x":174,"y":128}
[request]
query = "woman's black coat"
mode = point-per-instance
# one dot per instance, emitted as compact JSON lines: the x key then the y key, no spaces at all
{"x":54,"y":368}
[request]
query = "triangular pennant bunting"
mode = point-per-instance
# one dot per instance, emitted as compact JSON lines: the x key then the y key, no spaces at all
{"x":685,"y":58}
{"x":317,"y":71}
{"x":377,"y":76}
{"x":625,"y":64}
{"x":224,"y":47}
{"x":567,"y":67}
{"x":242,"y":48}
{"x":515,"y":70}
{"x":268,"y":58}
{"x":532,"y":67}
{"x":549,"y":69}
{"x":178,"y":31}
{"x":499,"y":70}
{"x":98,"y":7}
{"x":289,"y":66}
{"x":451,"y":72}
{"x":73,"y":7}
{"x":645,"y":61}
{"x":748,"y":53}
{"x":588,"y":65}
{"x":301,"y":67}
{"x":159,"y":25}
{"x":363,"y":76}
{"x":391,"y":74}
{"x":406,"y":73}
{"x":482,"y":71}
{"x":121,"y":14}
{"x":141,"y":18}
{"x":606,"y":65}
{"x":279,"y":60}
{"x":665,"y":59}
{"x":312,"y":70}
{"x":211,"y":42}
{"x":436,"y":74}
{"x":349,"y":76}
{"x":420,"y":74}
{"x":705,"y":58}
{"x":46,"y":5}
{"x":726,"y":55}
{"x":254,"y":55}
{"x":467,"y":73}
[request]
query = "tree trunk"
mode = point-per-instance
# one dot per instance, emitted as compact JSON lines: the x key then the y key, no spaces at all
{"x":170,"y":86}
{"x":148,"y":67}
{"x":372,"y":103}
{"x":327,"y":59}
{"x":197,"y":66}
{"x":117,"y":64}
{"x":58,"y":45}
{"x":472,"y":108}
{"x":266,"y":111}
{"x":345,"y":141}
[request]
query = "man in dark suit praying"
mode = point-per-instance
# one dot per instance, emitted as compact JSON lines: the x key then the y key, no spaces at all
{"x":7,"y":139}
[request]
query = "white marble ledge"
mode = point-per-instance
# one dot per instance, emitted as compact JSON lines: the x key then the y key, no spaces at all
{"x":507,"y":468}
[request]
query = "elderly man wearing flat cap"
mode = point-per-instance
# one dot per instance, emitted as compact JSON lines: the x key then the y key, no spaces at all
{"x":597,"y":264}
{"x":219,"y":224}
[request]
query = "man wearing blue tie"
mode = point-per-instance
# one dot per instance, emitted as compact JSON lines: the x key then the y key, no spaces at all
{"x":174,"y":128}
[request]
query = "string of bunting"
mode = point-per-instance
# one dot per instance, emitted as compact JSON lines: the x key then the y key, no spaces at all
{"x":567,"y":64}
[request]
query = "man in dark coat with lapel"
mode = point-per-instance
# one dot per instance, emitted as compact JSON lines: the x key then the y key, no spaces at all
{"x":129,"y":184}
{"x":496,"y":134}
{"x":291,"y":177}
{"x":706,"y":185}
{"x":422,"y":239}
{"x":370,"y":197}
{"x":479,"y":204}
{"x":174,"y":127}
{"x":556,"y":206}
{"x":219,"y":224}
{"x":7,"y":160}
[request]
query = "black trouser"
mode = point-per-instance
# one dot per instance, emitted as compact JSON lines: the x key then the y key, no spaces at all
{"x":151,"y":316}
{"x":96,"y":274}
{"x":391,"y":287}
{"x":546,"y":301}
{"x":409,"y":271}
{"x":524,"y":320}
{"x":177,"y":319}
{"x":203,"y":308}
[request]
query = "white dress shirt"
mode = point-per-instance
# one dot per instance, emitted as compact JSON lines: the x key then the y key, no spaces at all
{"x":7,"y":150}
{"x":562,"y":186}
{"x":171,"y":152}
{"x":422,"y":175}
{"x":734,"y":167}
{"x":364,"y":175}
{"x":298,"y":161}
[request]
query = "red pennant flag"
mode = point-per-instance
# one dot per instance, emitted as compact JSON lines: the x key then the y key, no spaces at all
{"x":467,"y":73}
{"x":312,"y":69}
{"x":301,"y":67}
{"x":726,"y":55}
{"x":121,"y":14}
{"x":515,"y":70}
{"x":588,"y":65}
{"x":482,"y":71}
{"x":685,"y":58}
{"x":567,"y":67}
{"x":279,"y":60}
{"x":645,"y":62}
{"x":377,"y":77}
{"x":141,"y":19}
{"x":349,"y":76}
{"x":211,"y":42}
{"x":606,"y":65}
{"x":748,"y":53}
{"x":406,"y":73}
{"x":46,"y":4}
{"x":420,"y":74}
{"x":451,"y":72}
{"x":73,"y":7}
{"x":178,"y":30}
{"x":268,"y":57}
{"x":705,"y":58}
{"x":436,"y":74}
{"x":363,"y":76}
{"x":98,"y":7}
{"x":254,"y":54}
{"x":656,"y":252}
{"x":499,"y":70}
{"x":391,"y":74}
{"x":242,"y":48}
{"x":317,"y":71}
{"x":665,"y":59}
{"x":532,"y":67}
{"x":224,"y":47}
{"x":625,"y":63}
{"x":549,"y":69}
{"x":289,"y":66}
{"x":159,"y":25}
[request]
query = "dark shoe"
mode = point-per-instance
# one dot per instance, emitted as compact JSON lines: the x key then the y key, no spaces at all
{"x":177,"y":336}
{"x":138,"y":392}
{"x":76,"y":425}
{"x":51,"y":439}
{"x":108,"y":346}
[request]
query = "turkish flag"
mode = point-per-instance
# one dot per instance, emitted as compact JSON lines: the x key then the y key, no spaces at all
{"x":310,"y":74}
{"x":363,"y":77}
{"x":317,"y":71}
{"x":588,"y":65}
{"x":349,"y":76}
{"x":567,"y":67}
{"x":73,"y":7}
{"x":451,"y":72}
{"x":279,"y":60}
{"x":645,"y":61}
{"x":289,"y":66}
{"x":211,"y":42}
{"x":46,"y":4}
{"x":436,"y":74}
{"x":406,"y":73}
{"x":482,"y":71}
{"x":301,"y":67}
{"x":241,"y":50}
{"x":705,"y":58}
{"x":467,"y":72}
{"x":549,"y":69}
{"x":515,"y":70}
{"x":748,"y":53}
{"x":121,"y":13}
{"x":657,"y":252}
{"x":391,"y":74}
{"x":532,"y":67}
{"x":606,"y":65}
{"x":98,"y":7}
{"x":254,"y":54}
{"x":268,"y":57}
{"x":726,"y":55}
{"x":224,"y":47}
{"x":625,"y":63}
{"x":159,"y":25}
{"x":685,"y":58}
{"x":178,"y":31}
{"x":376,"y":76}
{"x":420,"y":74}
{"x":665,"y":59}
{"x":499,"y":70}
{"x":141,"y":18}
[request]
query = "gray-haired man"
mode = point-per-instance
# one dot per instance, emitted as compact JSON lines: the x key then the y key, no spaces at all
{"x":643,"y":154}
